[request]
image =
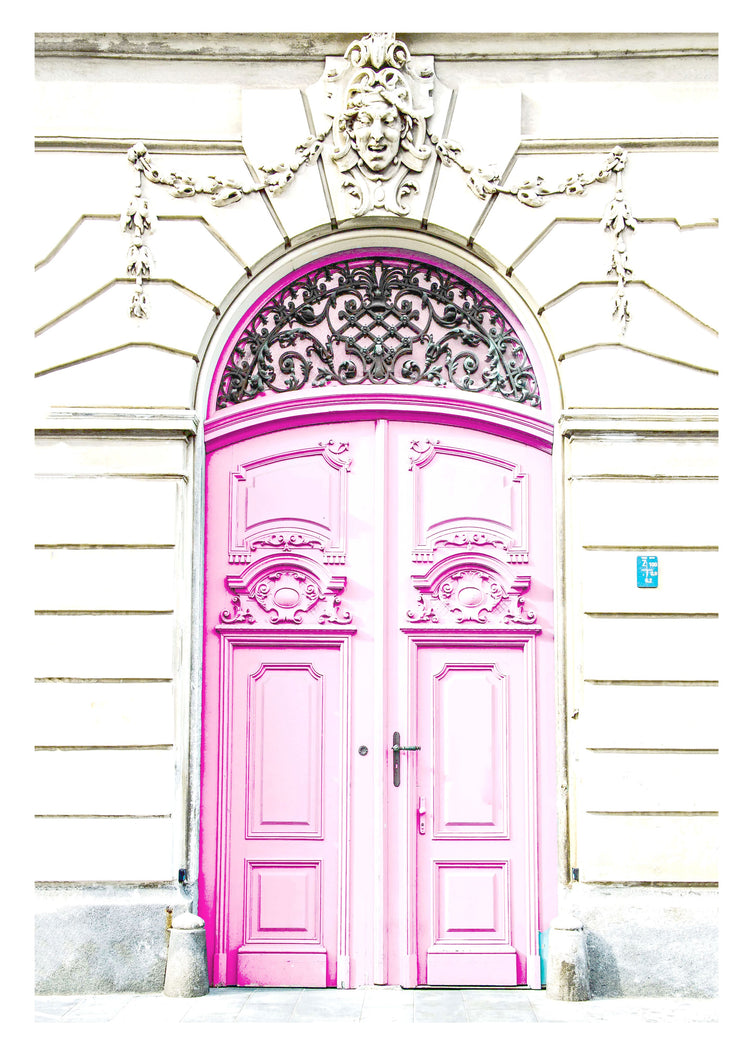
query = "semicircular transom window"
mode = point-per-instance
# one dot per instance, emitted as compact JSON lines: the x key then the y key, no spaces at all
{"x":378,"y":320}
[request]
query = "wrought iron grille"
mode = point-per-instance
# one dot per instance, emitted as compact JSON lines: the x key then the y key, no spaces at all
{"x":378,"y":320}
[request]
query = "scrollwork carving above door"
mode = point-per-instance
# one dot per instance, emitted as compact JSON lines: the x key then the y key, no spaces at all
{"x":462,"y":590}
{"x":277,"y":591}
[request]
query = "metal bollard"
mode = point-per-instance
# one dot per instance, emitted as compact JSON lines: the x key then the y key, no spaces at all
{"x":187,"y":966}
{"x":567,"y":965}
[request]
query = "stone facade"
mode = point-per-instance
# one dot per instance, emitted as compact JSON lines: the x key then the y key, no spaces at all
{"x":501,"y":154}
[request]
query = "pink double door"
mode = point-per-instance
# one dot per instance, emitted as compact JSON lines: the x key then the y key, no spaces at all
{"x":377,"y":765}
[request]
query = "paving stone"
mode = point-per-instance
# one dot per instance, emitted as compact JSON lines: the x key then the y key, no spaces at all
{"x":499,"y":1014}
{"x":403,"y":1014}
{"x":439,"y":1008}
{"x":275,"y":995}
{"x":371,"y":1005}
{"x":385,"y":994}
{"x":52,"y":1007}
{"x":271,"y":1013}
{"x":217,"y":1008}
{"x":98,"y":1008}
{"x":154,"y":1008}
{"x":338,"y":1005}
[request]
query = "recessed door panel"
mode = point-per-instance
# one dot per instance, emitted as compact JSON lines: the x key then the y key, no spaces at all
{"x":285,"y":718}
{"x":470,"y":776}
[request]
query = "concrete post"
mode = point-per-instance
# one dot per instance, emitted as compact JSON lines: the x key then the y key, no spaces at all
{"x":567,"y":963}
{"x":187,"y":965}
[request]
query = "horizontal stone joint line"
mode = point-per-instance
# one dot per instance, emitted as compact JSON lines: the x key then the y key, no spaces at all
{"x":200,"y":219}
{"x":557,"y":221}
{"x":126,"y":281}
{"x":105,"y":681}
{"x":105,"y":546}
{"x":590,"y":219}
{"x":104,"y":747}
{"x":650,"y":882}
{"x":66,"y":236}
{"x":652,"y":615}
{"x":103,"y":475}
{"x":653,"y":750}
{"x":116,"y":350}
{"x":642,"y":477}
{"x":648,"y":547}
{"x":93,"y":884}
{"x":653,"y":812}
{"x":637,"y":350}
{"x":103,"y":612}
{"x":102,"y":816}
{"x":650,"y":681}
{"x":632,"y":282}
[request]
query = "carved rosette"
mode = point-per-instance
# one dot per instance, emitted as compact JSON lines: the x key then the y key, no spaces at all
{"x":285,"y":593}
{"x":470,"y":593}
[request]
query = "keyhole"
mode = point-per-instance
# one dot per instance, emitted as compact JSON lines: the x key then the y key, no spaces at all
{"x":362,"y":750}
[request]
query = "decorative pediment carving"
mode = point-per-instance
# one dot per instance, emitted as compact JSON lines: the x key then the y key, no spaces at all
{"x":378,"y":101}
{"x":278,"y":591}
{"x":379,"y":135}
{"x":463,"y":589}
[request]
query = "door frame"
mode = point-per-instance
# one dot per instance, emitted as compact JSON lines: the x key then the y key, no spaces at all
{"x":271,"y":413}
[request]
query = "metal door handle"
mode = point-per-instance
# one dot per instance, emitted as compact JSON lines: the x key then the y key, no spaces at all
{"x":397,"y":748}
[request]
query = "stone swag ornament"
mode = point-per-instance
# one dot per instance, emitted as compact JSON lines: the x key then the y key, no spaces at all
{"x":378,"y":140}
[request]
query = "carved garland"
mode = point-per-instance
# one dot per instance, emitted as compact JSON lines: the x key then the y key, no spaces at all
{"x":378,"y":320}
{"x":382,"y":84}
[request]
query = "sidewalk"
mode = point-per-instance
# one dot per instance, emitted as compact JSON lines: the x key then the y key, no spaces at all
{"x":404,"y":1005}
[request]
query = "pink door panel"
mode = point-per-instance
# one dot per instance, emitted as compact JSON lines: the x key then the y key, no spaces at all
{"x":472,"y":854}
{"x":366,"y":577}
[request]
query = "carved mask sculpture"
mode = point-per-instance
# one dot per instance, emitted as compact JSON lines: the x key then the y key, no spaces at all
{"x":380,"y":105}
{"x":376,"y":128}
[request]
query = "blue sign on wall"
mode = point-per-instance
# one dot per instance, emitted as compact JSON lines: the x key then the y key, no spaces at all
{"x":648,"y":570}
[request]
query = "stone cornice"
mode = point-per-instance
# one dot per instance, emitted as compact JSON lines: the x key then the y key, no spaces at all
{"x":228,"y":147}
{"x":300,"y":47}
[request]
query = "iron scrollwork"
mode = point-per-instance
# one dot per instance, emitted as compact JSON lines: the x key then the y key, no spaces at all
{"x":378,"y":320}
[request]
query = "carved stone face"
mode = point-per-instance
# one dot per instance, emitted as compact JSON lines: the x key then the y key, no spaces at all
{"x":376,"y":131}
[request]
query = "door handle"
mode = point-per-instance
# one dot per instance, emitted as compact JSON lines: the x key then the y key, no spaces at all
{"x":397,"y":748}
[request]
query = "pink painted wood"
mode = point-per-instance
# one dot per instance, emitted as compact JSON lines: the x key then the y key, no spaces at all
{"x":385,"y":567}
